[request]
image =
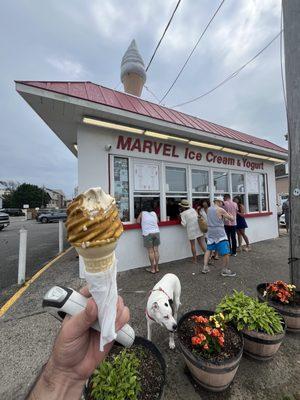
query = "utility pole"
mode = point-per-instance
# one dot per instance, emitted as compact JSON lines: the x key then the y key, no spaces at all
{"x":291,"y":24}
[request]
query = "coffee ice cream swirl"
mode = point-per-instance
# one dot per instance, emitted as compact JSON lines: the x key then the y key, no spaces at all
{"x":93,"y":219}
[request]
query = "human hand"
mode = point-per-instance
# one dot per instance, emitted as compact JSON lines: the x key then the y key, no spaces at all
{"x":75,"y":354}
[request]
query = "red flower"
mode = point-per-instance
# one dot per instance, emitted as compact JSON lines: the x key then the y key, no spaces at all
{"x":215,"y":332}
{"x":200,"y":319}
{"x":195,"y":341}
{"x":206,"y":347}
{"x":221,"y":340}
{"x":208,"y":329}
{"x":202,"y":337}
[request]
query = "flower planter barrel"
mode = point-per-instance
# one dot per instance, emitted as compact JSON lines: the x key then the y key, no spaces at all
{"x":262,"y":346}
{"x":212,"y":376}
{"x":290,"y":313}
{"x":154,"y":350}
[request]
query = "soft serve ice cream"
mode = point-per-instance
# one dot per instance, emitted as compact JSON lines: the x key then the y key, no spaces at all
{"x":93,"y":228}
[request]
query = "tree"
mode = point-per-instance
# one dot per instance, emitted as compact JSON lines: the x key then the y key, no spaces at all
{"x":26,"y":194}
{"x":10,"y":185}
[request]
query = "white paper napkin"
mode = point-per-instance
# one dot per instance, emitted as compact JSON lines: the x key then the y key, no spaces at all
{"x":103,"y":288}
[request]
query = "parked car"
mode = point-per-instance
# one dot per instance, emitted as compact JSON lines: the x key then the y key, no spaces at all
{"x":52,"y":216}
{"x":282,"y":220}
{"x":44,"y":211}
{"x":13,"y":212}
{"x":4,"y":220}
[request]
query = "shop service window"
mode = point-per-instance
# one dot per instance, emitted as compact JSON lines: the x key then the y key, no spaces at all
{"x":200,"y":187}
{"x":220,"y":182}
{"x":253,"y":192}
{"x":238,"y":186}
{"x":176,"y":190}
{"x":146,"y":187}
{"x":121,"y":187}
{"x":262,"y":191}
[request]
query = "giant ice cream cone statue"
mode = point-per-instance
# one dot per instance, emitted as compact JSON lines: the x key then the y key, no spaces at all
{"x":93,"y":228}
{"x":133,"y":73}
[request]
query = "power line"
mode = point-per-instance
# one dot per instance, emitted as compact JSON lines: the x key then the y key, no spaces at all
{"x":160,"y":40}
{"x":151,"y":92}
{"x":191,"y":53}
{"x":231,"y":76}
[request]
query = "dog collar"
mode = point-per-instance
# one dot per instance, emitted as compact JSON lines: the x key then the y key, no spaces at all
{"x":160,"y":290}
{"x":146,"y":312}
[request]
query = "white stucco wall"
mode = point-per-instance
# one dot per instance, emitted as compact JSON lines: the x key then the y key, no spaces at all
{"x":93,"y":170}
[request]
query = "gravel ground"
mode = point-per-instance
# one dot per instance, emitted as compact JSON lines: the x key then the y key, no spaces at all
{"x":254,"y":380}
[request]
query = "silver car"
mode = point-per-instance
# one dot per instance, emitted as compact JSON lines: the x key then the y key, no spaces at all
{"x":4,"y":220}
{"x":52,"y":216}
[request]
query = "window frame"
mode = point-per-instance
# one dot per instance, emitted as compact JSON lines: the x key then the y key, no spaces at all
{"x":200,"y":195}
{"x":181,"y":166}
{"x":162,"y":194}
{"x":227,"y":171}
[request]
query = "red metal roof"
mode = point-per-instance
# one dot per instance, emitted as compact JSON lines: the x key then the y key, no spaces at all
{"x":109,"y":97}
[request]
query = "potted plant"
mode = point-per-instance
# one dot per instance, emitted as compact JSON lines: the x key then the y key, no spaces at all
{"x":285,"y":299}
{"x":136,"y":373}
{"x":262,"y":327}
{"x":211,"y":349}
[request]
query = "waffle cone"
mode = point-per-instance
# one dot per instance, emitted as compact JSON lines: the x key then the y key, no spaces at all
{"x":98,"y":259}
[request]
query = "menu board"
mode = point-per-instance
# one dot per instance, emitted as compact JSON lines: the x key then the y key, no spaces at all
{"x":252,"y":183}
{"x":121,"y":186}
{"x":146,"y":177}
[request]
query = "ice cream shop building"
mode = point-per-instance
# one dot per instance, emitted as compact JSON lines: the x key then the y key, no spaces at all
{"x":141,"y":151}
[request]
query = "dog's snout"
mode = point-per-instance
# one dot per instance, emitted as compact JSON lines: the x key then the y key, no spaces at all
{"x":174,"y":327}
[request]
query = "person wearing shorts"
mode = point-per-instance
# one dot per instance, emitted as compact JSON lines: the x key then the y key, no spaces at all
{"x":151,"y":236}
{"x":222,"y":248}
{"x":216,"y":236}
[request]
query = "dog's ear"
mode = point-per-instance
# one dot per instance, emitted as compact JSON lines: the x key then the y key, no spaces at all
{"x":155,"y":306}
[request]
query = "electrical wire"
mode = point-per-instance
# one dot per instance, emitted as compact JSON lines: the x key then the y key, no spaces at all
{"x":192,"y":52}
{"x":229,"y":77}
{"x":151,"y":92}
{"x":165,"y":31}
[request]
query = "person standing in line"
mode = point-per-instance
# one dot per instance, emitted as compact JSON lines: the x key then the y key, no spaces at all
{"x":216,"y":236}
{"x":203,"y":208}
{"x":189,"y":219}
{"x":230,"y":226}
{"x":151,"y":236}
{"x":241,"y":225}
{"x":286,"y":212}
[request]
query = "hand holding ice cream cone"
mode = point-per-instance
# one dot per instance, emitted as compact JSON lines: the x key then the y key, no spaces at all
{"x":93,"y":228}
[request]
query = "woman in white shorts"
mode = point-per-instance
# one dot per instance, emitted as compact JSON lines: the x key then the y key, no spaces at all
{"x":189,"y":219}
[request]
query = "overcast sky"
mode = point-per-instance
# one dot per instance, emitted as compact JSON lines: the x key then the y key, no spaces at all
{"x":85,"y":40}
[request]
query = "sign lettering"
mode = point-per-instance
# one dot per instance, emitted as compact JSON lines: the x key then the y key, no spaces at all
{"x":171,"y":150}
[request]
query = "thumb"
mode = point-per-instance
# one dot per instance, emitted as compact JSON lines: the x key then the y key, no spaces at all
{"x":81,"y":322}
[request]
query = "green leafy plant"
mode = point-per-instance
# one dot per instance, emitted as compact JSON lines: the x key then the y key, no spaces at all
{"x":117,"y":378}
{"x":248,"y":313}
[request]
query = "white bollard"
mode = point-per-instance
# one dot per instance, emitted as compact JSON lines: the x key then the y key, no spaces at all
{"x":22,"y":256}
{"x":81,"y":268}
{"x":60,"y":235}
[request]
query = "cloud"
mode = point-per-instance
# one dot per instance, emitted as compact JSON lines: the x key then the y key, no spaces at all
{"x":71,"y":69}
{"x":87,"y":41}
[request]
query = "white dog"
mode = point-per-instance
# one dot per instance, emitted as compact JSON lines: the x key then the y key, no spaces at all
{"x":163,"y":304}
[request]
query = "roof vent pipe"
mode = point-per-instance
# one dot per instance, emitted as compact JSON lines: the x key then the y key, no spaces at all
{"x":133,"y":73}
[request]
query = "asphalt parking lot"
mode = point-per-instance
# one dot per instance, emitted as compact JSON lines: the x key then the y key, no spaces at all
{"x":42,"y":246}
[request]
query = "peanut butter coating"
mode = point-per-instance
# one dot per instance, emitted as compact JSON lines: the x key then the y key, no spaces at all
{"x":91,"y":229}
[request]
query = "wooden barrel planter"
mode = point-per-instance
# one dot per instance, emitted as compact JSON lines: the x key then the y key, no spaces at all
{"x":213,"y":376}
{"x":290,"y":313}
{"x":262,"y":346}
{"x":160,"y":369}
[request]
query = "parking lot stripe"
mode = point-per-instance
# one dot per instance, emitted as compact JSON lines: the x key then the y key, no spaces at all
{"x":26,"y":285}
